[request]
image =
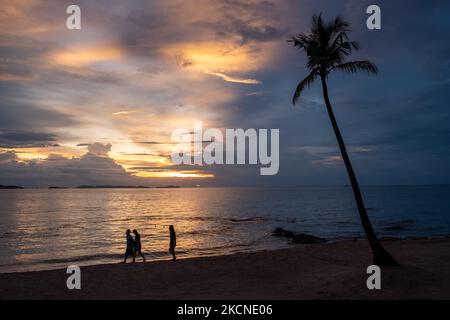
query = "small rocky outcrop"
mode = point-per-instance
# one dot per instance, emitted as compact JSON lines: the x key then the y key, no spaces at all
{"x":306,"y":238}
{"x":299,"y":238}
{"x":280,"y":232}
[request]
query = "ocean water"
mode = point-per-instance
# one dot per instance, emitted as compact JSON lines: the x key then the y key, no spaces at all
{"x":45,"y":229}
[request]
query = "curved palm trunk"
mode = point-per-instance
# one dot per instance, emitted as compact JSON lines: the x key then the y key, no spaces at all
{"x":380,"y":256}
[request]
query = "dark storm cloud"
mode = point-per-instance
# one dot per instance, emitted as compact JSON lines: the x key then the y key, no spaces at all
{"x":234,"y":27}
{"x":164,"y":23}
{"x":238,"y":17}
{"x":14,"y":71}
{"x":27,"y":115}
{"x":18,"y":62}
{"x":26,"y":139}
{"x":8,"y":156}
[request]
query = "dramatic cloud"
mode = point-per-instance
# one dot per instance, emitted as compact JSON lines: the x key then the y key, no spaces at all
{"x":234,"y":79}
{"x":98,"y":149}
{"x":9,"y":156}
{"x":98,"y":105}
{"x":26,"y":139}
{"x":61,"y":171}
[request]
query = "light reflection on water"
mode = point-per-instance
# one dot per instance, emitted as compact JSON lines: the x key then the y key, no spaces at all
{"x":43,"y":229}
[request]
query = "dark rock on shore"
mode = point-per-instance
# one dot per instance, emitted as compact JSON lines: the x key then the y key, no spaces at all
{"x":306,"y":238}
{"x":280,"y":232}
{"x":300,"y":238}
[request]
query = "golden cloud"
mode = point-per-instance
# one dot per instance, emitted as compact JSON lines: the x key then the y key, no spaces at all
{"x":81,"y":56}
{"x":233,"y":79}
{"x":216,"y":58}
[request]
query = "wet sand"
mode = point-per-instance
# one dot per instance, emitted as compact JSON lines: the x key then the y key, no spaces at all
{"x":315,"y":271}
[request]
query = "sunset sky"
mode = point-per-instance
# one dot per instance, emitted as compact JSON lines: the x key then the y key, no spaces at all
{"x":98,"y":105}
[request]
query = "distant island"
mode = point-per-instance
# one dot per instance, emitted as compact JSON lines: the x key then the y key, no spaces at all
{"x":168,"y":187}
{"x":123,"y":187}
{"x":11,"y":187}
{"x":97,"y":187}
{"x":111,"y":187}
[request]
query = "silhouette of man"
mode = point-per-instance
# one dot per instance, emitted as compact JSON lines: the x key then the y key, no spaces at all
{"x":137,"y":244}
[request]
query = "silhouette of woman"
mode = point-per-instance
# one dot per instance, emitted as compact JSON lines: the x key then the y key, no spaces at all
{"x":130,"y":246}
{"x":137,"y":244}
{"x":173,"y":242}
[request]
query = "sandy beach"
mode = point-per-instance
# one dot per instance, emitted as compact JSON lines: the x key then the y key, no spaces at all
{"x":316,"y":271}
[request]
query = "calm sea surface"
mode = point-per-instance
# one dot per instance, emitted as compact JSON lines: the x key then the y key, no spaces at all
{"x":45,"y":229}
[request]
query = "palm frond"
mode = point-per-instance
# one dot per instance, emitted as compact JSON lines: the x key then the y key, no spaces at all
{"x":328,"y":48}
{"x":301,"y":41}
{"x":303,"y":84}
{"x":355,"y":45}
{"x":339,"y":25}
{"x":355,"y":66}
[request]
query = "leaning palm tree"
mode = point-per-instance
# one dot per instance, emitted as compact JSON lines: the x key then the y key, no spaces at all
{"x":327,"y":48}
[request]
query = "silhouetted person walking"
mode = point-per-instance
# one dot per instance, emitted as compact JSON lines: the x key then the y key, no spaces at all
{"x":173,"y":242}
{"x":137,"y":244}
{"x":130,"y":246}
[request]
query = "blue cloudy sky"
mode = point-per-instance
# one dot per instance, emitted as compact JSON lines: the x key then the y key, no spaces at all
{"x":98,"y":105}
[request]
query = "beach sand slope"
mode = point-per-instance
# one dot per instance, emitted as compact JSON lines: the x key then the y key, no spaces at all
{"x":316,"y":271}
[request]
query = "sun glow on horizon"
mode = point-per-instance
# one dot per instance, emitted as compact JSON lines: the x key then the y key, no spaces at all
{"x":173,"y":174}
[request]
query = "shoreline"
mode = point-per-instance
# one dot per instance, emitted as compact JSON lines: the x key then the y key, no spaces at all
{"x":334,"y":270}
{"x":287,"y":245}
